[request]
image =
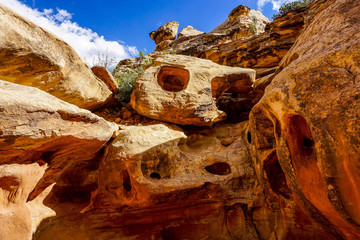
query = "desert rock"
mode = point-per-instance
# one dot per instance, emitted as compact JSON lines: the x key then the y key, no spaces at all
{"x":45,"y":130}
{"x":31,"y":56}
{"x":183,"y":90}
{"x":165,"y":32}
{"x":103,"y":74}
{"x":189,"y":31}
{"x":175,"y":179}
{"x":308,"y":119}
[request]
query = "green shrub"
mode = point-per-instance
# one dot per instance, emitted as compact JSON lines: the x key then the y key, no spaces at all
{"x":253,"y":26}
{"x":142,"y":54}
{"x":148,"y":61}
{"x":173,"y":52}
{"x":125,"y":81}
{"x":287,"y":7}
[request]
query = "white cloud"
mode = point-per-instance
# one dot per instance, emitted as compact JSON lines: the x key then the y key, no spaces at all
{"x":87,"y":43}
{"x":276,"y":3}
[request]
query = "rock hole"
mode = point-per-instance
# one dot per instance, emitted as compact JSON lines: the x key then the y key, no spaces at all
{"x":126,"y":181}
{"x":301,"y":138}
{"x":249,"y":137}
{"x":173,"y":79}
{"x":155,"y":175}
{"x":220,"y":168}
{"x":276,"y":176}
{"x":308,"y":143}
{"x":47,"y":156}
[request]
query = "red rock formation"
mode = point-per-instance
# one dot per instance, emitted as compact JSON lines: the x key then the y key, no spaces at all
{"x":290,"y":172}
{"x":309,"y":115}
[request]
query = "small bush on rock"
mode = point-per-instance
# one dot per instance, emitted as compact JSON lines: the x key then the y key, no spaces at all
{"x":125,"y":81}
{"x":287,"y":7}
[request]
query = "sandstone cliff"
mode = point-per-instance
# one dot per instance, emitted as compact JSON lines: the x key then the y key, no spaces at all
{"x":284,"y":165}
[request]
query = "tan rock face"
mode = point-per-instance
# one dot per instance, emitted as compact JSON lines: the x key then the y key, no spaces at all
{"x":309,"y":115}
{"x":103,"y":74}
{"x":189,"y":31}
{"x":16,"y":183}
{"x":183,"y":90}
{"x":241,"y":24}
{"x":263,"y":51}
{"x":176,"y":184}
{"x":165,"y":32}
{"x":31,"y":56}
{"x":37,"y":128}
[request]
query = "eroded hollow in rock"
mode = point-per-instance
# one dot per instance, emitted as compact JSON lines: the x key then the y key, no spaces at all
{"x":232,"y":96}
{"x":173,"y":79}
{"x":301,"y":141}
{"x":126,"y":181}
{"x":248,"y":137}
{"x":155,"y":175}
{"x":219,"y":168}
{"x":276,"y":176}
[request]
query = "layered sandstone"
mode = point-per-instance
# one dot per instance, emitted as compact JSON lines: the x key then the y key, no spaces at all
{"x":31,"y":56}
{"x":308,"y":119}
{"x":290,"y":172}
{"x":183,"y":90}
{"x":242,"y":23}
{"x":43,"y":140}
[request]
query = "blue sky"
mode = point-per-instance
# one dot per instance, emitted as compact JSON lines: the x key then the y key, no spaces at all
{"x":122,"y":27}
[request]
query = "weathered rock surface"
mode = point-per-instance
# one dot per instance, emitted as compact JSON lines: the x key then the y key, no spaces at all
{"x":16,"y":183}
{"x":103,"y":74}
{"x":263,"y":51}
{"x":241,"y":24}
{"x":183,"y":90}
{"x":167,"y":31}
{"x":290,"y":172}
{"x":31,"y":56}
{"x":175,"y":186}
{"x":308,"y":119}
{"x":38,"y":132}
{"x":189,"y":31}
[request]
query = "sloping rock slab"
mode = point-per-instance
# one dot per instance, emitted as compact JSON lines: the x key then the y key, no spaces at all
{"x":31,"y":56}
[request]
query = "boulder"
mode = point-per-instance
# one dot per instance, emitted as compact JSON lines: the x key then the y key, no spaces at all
{"x":183,"y":90}
{"x":103,"y":74}
{"x":40,"y":129}
{"x":307,"y":123}
{"x":258,"y":21}
{"x":263,"y":51}
{"x":170,"y":181}
{"x":188,"y":32}
{"x":167,"y":31}
{"x":31,"y":56}
{"x":241,"y":24}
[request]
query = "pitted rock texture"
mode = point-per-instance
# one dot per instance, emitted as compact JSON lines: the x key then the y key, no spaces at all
{"x":177,"y":184}
{"x":167,"y":31}
{"x":309,"y":116}
{"x":31,"y":56}
{"x":183,"y":90}
{"x":290,"y":172}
